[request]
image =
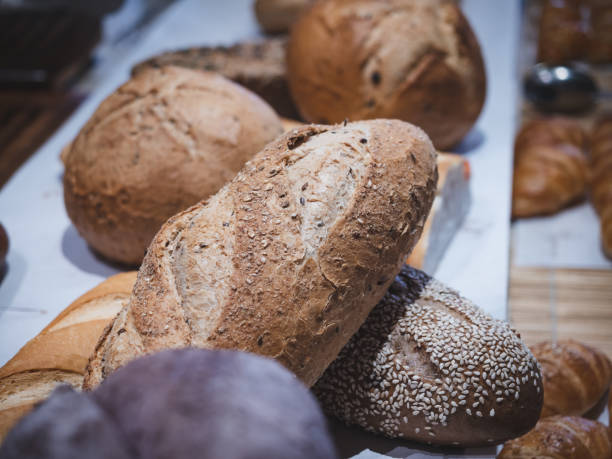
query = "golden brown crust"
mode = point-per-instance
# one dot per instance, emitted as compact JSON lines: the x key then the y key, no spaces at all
{"x":550,"y":167}
{"x":362,"y":59}
{"x":287,"y":259}
{"x":561,"y":36}
{"x":428,"y":365}
{"x":59,"y":353}
{"x":575,"y":376}
{"x":163,"y":141}
{"x":601,"y":178}
{"x":561,"y":437}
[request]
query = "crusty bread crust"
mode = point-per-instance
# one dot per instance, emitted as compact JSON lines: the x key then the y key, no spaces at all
{"x":162,"y":142}
{"x":418,"y":61}
{"x":288,"y":259}
{"x":428,"y":365}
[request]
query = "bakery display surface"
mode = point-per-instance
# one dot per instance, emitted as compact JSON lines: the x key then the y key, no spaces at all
{"x":49,"y":264}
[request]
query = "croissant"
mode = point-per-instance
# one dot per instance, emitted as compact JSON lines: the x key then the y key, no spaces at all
{"x":601,"y":178}
{"x":562,"y":437}
{"x":550,"y":167}
{"x":575,"y":376}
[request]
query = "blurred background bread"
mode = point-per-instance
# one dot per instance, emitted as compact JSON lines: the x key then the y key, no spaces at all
{"x":258,"y":66}
{"x":561,"y":437}
{"x":412,"y":60}
{"x":575,"y":376}
{"x":550,"y":167}
{"x":277,"y":16}
{"x":59,"y":353}
{"x":163,"y":141}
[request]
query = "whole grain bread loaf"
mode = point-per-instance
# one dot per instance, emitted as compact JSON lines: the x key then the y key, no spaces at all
{"x":288,"y":259}
{"x":163,"y":141}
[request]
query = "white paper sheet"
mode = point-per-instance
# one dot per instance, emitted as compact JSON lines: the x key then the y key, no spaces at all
{"x":569,"y":239}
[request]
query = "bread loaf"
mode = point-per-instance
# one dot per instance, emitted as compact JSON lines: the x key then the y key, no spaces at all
{"x":59,"y":353}
{"x":575,"y":376}
{"x":288,"y":259}
{"x":550,"y":167}
{"x":258,"y":66}
{"x":428,"y":365}
{"x":163,"y":141}
{"x":561,"y":437}
{"x":450,"y":206}
{"x":277,"y":16}
{"x":180,"y":404}
{"x":561,"y":36}
{"x":601,"y":179}
{"x":418,"y":61}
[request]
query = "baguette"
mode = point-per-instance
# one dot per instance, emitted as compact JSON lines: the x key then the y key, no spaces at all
{"x":575,"y":376}
{"x":59,"y":353}
{"x":428,"y":365}
{"x":289,"y":258}
{"x":561,"y":437}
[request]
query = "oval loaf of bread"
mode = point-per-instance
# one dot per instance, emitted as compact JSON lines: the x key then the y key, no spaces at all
{"x":430,"y":366}
{"x":289,"y":258}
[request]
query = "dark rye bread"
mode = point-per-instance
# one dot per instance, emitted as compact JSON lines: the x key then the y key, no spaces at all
{"x":428,"y":365}
{"x":288,"y":259}
{"x":259,"y":66}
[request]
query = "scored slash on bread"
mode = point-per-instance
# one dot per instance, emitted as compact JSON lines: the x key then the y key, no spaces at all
{"x":288,"y":259}
{"x":430,"y":366}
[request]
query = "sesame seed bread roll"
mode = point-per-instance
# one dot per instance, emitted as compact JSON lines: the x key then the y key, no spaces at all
{"x":428,"y":365}
{"x":289,"y":258}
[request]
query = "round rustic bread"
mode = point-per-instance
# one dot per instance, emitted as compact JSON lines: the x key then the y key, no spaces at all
{"x":417,"y":61}
{"x":163,"y":141}
{"x":429,"y":365}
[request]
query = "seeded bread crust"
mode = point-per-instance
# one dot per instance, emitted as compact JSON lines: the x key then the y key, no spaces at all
{"x":162,"y":142}
{"x":428,"y":365}
{"x":288,"y":259}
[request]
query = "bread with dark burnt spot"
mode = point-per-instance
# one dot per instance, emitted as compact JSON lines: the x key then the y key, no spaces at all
{"x":428,"y":365}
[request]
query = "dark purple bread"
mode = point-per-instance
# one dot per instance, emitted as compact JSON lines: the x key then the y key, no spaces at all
{"x":180,"y":404}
